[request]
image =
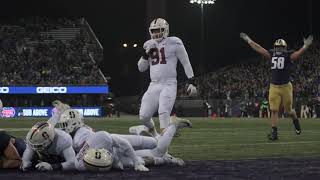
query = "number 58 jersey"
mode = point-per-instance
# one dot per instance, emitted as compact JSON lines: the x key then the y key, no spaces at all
{"x":281,"y":66}
{"x":163,"y":59}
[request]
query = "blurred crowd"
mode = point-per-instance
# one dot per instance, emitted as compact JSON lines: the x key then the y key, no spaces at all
{"x":31,"y":56}
{"x":252,"y":78}
{"x":42,"y":62}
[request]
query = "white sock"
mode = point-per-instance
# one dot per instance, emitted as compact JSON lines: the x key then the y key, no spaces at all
{"x":164,"y":140}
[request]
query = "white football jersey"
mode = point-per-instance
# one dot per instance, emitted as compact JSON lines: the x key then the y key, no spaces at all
{"x":80,"y":137}
{"x":122,"y":152}
{"x":60,"y":149}
{"x":163,"y":62}
{"x":98,"y":140}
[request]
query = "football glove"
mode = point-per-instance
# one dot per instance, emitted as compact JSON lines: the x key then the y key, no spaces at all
{"x":140,"y":167}
{"x":245,"y":37}
{"x":192,"y":90}
{"x":44,"y":166}
{"x":151,"y":45}
{"x":307,"y":42}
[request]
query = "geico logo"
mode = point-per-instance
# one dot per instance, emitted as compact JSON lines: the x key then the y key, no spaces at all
{"x":51,"y":89}
{"x":4,"y":90}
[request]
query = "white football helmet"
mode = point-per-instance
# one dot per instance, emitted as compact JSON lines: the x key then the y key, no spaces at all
{"x":70,"y":120}
{"x":40,"y":136}
{"x":98,"y":160}
{"x":159,"y":29}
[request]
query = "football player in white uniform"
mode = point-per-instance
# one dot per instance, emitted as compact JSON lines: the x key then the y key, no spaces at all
{"x":120,"y":149}
{"x":120,"y":146}
{"x":84,"y":138}
{"x":71,"y":122}
{"x":161,"y":54}
{"x":48,"y":149}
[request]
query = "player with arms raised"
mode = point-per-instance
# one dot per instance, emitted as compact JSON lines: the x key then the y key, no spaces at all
{"x":280,"y":92}
{"x":161,"y":54}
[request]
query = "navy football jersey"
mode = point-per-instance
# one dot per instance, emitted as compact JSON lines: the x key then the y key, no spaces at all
{"x":281,"y":67}
{"x":19,"y":144}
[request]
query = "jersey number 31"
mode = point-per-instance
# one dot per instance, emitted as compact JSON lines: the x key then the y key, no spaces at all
{"x":277,"y":63}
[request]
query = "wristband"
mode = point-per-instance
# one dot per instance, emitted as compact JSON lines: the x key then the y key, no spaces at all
{"x":192,"y":81}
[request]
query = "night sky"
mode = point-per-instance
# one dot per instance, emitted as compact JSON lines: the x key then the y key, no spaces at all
{"x":116,"y":22}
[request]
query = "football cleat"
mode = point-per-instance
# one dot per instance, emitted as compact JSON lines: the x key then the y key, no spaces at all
{"x":273,"y":136}
{"x":173,"y":160}
{"x":180,"y":122}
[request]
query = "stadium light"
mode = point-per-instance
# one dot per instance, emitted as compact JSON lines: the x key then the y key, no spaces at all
{"x":135,"y":45}
{"x":202,"y":3}
{"x":125,"y":45}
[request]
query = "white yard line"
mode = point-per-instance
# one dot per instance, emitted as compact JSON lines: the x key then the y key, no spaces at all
{"x":15,"y":129}
{"x":250,"y":144}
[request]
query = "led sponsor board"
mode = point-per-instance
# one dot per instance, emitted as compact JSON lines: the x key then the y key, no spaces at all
{"x":103,"y":89}
{"x":9,"y":112}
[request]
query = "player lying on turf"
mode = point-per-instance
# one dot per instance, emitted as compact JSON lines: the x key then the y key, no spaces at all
{"x":11,"y":151}
{"x":48,"y":149}
{"x":120,"y":146}
{"x":280,"y":92}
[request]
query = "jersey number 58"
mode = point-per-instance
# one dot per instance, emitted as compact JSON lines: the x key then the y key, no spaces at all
{"x":277,"y":63}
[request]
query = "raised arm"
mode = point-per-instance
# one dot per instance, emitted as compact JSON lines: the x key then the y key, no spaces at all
{"x":255,"y":46}
{"x":307,"y":42}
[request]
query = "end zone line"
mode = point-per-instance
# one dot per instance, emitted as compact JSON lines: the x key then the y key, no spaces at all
{"x":250,"y":144}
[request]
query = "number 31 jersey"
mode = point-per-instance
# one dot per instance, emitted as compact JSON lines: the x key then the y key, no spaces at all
{"x":281,"y":66}
{"x":163,"y":60}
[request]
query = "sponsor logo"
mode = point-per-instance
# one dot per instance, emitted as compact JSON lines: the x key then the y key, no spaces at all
{"x":4,"y":90}
{"x":89,"y":111}
{"x":8,"y":112}
{"x":34,"y":112}
{"x":51,"y":90}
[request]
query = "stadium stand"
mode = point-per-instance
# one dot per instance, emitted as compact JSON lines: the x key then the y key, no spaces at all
{"x":250,"y":80}
{"x":41,"y":51}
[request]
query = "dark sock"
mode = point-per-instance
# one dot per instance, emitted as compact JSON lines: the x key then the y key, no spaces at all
{"x":274,"y":129}
{"x":296,"y":124}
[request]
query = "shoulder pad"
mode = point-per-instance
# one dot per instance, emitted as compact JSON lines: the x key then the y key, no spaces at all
{"x":175,"y":40}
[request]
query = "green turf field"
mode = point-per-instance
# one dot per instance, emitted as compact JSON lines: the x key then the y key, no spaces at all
{"x":209,"y":139}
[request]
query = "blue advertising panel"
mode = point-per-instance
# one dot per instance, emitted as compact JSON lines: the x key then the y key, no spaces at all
{"x":9,"y":112}
{"x":103,"y":89}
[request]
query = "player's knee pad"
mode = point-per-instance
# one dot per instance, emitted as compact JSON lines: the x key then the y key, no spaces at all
{"x":147,"y":121}
{"x":164,"y":119}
